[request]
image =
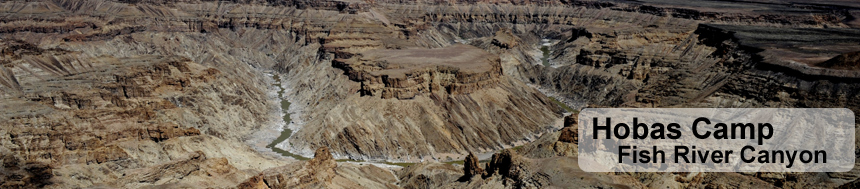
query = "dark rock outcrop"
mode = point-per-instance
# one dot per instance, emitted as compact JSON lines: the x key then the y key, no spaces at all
{"x":507,"y":164}
{"x":847,"y":61}
{"x":505,"y":39}
{"x":570,"y":132}
{"x":471,"y":167}
{"x":315,"y":173}
{"x":577,"y":33}
{"x":321,"y":172}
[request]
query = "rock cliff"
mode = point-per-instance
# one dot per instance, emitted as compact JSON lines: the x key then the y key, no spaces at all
{"x":67,"y":114}
{"x":507,"y":169}
{"x":406,"y":73}
{"x":321,"y":172}
{"x":156,"y":93}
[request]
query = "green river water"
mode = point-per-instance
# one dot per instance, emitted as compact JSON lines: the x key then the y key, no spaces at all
{"x":285,"y":105}
{"x":545,"y":58}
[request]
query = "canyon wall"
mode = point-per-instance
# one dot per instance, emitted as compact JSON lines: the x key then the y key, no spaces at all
{"x":615,"y":58}
{"x":184,"y":77}
{"x":67,"y":114}
{"x":174,"y":93}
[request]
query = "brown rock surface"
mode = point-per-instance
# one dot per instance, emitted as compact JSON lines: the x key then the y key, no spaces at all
{"x":505,"y":39}
{"x":570,"y":132}
{"x":125,"y":93}
{"x":509,"y":170}
{"x":67,"y":113}
{"x":471,"y":167}
{"x":321,"y":172}
{"x":315,"y":173}
{"x":404,"y":105}
{"x":406,"y":73}
{"x":847,"y":61}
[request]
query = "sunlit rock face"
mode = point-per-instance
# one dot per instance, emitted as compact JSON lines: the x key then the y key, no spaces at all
{"x":151,"y":93}
{"x":405,"y":73}
{"x":419,"y":103}
{"x":133,"y":89}
{"x":66,"y":113}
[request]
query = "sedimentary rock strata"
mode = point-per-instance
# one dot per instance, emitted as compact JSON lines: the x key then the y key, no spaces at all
{"x":322,"y":172}
{"x":174,"y":93}
{"x":405,"y":73}
{"x":405,"y":102}
{"x":66,"y":112}
{"x":429,"y":124}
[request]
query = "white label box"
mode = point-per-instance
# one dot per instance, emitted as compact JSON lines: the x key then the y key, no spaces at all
{"x":716,"y":139}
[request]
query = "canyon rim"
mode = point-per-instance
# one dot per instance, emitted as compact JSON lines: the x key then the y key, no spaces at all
{"x":391,"y":93}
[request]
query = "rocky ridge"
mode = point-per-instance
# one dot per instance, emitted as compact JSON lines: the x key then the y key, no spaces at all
{"x":120,"y":116}
{"x":322,"y":172}
{"x":608,"y":54}
{"x":403,"y":74}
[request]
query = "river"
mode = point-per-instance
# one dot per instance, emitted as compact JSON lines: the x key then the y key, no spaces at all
{"x":285,"y":134}
{"x":544,"y":48}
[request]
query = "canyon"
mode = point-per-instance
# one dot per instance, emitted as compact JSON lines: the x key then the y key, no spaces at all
{"x":389,"y":93}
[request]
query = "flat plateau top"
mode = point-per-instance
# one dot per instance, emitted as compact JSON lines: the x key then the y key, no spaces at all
{"x":465,"y":57}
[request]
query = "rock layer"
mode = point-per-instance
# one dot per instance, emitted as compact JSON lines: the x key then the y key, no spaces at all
{"x":403,"y":74}
{"x":321,"y":172}
{"x":66,"y":113}
{"x":125,"y":93}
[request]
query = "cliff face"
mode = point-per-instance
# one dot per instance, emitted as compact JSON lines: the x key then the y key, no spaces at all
{"x":712,"y":66}
{"x":171,"y":93}
{"x":642,"y":60}
{"x":196,"y":79}
{"x":415,"y":103}
{"x":403,"y":74}
{"x":621,"y":59}
{"x":66,"y":113}
{"x":507,"y":169}
{"x":322,"y":172}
